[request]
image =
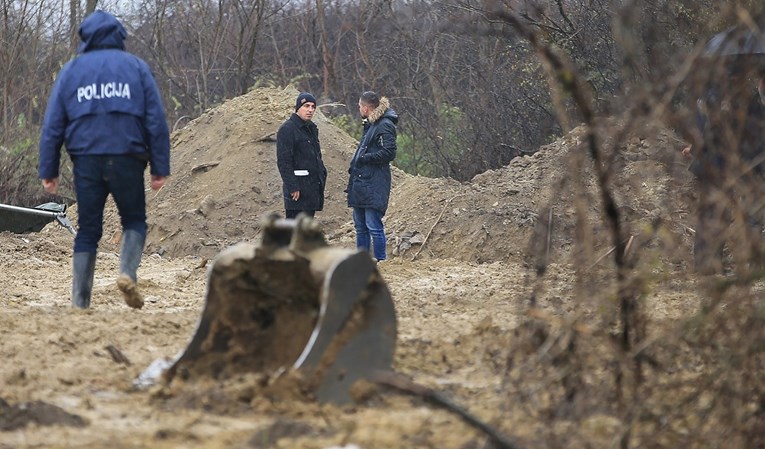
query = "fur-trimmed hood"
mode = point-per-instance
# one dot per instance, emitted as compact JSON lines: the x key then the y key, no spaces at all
{"x":383,"y":110}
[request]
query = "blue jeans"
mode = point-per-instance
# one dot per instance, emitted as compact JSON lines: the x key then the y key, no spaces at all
{"x":95,"y":177}
{"x":368,"y":222}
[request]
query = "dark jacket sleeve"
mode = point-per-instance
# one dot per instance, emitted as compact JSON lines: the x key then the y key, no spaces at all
{"x":384,"y":142}
{"x":285,"y":142}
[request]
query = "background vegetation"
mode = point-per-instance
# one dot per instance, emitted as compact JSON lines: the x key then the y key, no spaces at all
{"x":472,"y":94}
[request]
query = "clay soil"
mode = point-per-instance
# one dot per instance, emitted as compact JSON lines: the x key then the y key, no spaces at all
{"x":463,"y":272}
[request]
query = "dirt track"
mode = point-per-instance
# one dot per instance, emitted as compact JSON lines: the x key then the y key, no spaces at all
{"x":60,"y":356}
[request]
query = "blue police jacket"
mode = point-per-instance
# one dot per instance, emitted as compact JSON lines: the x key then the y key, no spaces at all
{"x":105,"y":101}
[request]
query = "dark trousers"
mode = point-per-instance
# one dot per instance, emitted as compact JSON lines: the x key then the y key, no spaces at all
{"x":293,"y":213}
{"x":713,"y":227}
{"x":712,"y":220}
{"x":95,"y":177}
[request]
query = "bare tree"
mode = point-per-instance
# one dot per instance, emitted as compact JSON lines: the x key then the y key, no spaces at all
{"x":328,"y":72}
{"x":251,"y":16}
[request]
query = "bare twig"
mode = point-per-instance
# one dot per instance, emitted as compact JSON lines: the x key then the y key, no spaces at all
{"x":156,"y":194}
{"x":175,"y":125}
{"x":327,"y":105}
{"x":204,"y":166}
{"x":549,"y":235}
{"x":434,"y":225}
{"x":404,"y":385}
{"x":117,"y":355}
{"x":627,"y":246}
{"x":270,"y":137}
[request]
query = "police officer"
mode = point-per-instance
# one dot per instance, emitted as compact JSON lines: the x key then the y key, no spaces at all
{"x":106,"y":107}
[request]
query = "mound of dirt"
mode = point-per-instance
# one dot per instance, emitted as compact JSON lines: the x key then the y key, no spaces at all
{"x":495,"y":216}
{"x":225,"y":176}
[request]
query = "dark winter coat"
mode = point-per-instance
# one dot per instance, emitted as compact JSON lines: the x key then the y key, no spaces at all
{"x":105,"y":101}
{"x":369,"y":182}
{"x":298,"y":151}
{"x":733,"y":132}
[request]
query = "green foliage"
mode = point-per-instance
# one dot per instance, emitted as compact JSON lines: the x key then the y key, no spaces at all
{"x":18,"y":162}
{"x":19,"y":184}
{"x":264,"y":81}
{"x":406,"y":158}
{"x":176,"y":104}
{"x":349,"y":124}
{"x":20,"y":145}
{"x":413,"y":145}
{"x":446,"y":139}
{"x":451,"y":129}
{"x":302,"y":78}
{"x":406,"y":154}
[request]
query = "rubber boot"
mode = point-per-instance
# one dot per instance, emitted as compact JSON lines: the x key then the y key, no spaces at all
{"x":83,"y":268}
{"x":130,"y":257}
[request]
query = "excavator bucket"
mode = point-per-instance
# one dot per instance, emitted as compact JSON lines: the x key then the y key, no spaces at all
{"x":293,"y":303}
{"x":22,"y":220}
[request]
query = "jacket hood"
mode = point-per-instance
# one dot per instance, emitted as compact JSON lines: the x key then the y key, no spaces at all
{"x":383,"y":110}
{"x":101,"y":30}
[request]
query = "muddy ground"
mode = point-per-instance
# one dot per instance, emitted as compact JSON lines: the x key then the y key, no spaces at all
{"x":463,"y":275}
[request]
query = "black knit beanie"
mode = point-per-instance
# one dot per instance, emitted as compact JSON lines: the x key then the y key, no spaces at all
{"x":304,"y":98}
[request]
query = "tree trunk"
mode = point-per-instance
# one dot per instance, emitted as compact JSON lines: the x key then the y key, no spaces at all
{"x":74,"y":24}
{"x":326,"y":56}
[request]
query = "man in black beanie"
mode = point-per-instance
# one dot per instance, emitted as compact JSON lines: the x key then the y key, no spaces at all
{"x":298,"y":157}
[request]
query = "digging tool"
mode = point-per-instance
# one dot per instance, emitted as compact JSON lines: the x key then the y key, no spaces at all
{"x":292,"y":303}
{"x":21,"y":220}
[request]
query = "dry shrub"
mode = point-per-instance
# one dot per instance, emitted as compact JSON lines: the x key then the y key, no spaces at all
{"x":648,"y":352}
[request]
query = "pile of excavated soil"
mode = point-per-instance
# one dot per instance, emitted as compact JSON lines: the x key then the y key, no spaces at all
{"x":225,"y":176}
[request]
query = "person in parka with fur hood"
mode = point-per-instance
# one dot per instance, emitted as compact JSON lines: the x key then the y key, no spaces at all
{"x":370,"y":178}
